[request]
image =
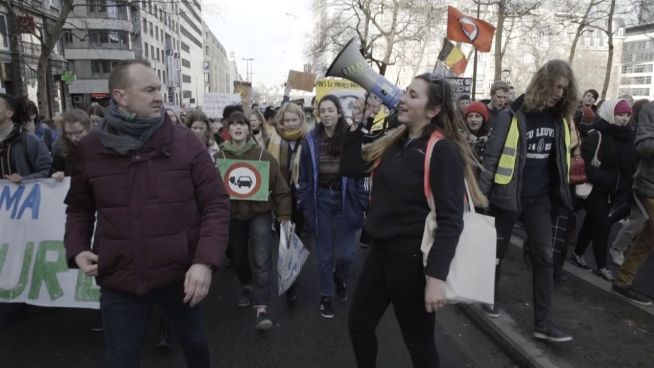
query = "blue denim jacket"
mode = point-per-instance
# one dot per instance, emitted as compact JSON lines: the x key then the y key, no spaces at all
{"x":355,"y":195}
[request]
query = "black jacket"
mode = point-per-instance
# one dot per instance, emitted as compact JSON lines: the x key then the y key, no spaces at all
{"x":616,"y":153}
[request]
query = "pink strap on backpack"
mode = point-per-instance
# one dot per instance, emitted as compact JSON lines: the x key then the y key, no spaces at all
{"x":436,"y":136}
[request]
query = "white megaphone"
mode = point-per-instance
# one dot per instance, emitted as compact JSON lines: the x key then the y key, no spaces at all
{"x":349,"y":64}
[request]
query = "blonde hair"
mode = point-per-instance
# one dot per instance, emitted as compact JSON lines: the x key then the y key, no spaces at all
{"x":266,"y":127}
{"x":294,"y":109}
{"x":542,"y":84}
{"x":449,"y":122}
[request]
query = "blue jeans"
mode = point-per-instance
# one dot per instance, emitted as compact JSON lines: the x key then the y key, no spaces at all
{"x":251,"y":241}
{"x":334,"y":241}
{"x":125,"y":317}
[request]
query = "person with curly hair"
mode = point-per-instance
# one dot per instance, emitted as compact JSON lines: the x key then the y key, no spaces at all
{"x":526,"y":166}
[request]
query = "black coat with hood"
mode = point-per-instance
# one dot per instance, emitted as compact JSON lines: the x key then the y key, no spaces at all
{"x":616,"y":153}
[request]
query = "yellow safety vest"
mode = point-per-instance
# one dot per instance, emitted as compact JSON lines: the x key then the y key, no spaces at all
{"x":506,"y":166}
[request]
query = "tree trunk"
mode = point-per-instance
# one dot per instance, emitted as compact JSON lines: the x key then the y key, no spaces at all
{"x":51,"y":34}
{"x":501,"y":9}
{"x":609,"y":59}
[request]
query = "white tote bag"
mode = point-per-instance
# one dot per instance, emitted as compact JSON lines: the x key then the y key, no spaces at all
{"x":472,"y":272}
{"x":583,"y":190}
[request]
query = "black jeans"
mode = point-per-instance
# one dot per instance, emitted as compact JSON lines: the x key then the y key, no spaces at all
{"x":595,"y":228}
{"x":563,"y":227}
{"x":390,"y":277}
{"x":125,"y":315}
{"x":536,"y":216}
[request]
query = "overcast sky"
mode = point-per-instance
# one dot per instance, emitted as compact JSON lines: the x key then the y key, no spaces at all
{"x":273,"y":32}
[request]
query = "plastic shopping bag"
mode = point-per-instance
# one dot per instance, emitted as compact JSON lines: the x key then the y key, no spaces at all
{"x":292,"y":255}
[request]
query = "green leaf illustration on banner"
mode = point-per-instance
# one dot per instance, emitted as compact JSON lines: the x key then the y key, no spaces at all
{"x":245,"y":180}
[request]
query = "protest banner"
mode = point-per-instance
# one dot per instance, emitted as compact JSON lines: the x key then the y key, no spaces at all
{"x":301,"y":80}
{"x":244,"y":89}
{"x":351,"y":96}
{"x":245,"y":180}
{"x":33,"y":266}
{"x":214,"y":103}
{"x":460,"y":86}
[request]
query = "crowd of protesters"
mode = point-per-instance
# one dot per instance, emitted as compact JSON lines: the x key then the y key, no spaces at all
{"x":161,"y":240}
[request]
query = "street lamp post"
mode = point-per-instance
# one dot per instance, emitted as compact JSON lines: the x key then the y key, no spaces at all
{"x":248,"y":68}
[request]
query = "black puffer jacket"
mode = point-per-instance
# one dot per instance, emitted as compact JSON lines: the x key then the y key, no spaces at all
{"x":616,"y":151}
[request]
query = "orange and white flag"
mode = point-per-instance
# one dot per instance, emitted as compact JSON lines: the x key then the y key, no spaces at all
{"x":462,"y":28}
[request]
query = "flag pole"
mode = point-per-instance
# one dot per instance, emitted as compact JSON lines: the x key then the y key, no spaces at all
{"x":474,"y":71}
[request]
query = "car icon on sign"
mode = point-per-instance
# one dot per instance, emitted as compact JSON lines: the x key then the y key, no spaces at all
{"x":242,"y":181}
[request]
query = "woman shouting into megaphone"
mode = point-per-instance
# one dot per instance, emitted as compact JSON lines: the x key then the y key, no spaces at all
{"x":393,"y":272}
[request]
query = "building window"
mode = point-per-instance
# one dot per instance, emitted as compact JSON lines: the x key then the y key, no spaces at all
{"x":151,"y":30}
{"x":162,"y":35}
{"x":156,"y":56}
{"x":68,"y":37}
{"x":187,"y":94}
{"x":147,"y":54}
{"x":102,"y":67}
{"x":186,"y":63}
{"x":186,"y":78}
{"x":105,"y":37}
{"x":159,"y":74}
{"x":145,"y":26}
{"x":152,"y":51}
{"x":206,"y":50}
{"x":4,"y":37}
{"x":156,"y":32}
{"x":163,"y":56}
{"x":185,"y":47}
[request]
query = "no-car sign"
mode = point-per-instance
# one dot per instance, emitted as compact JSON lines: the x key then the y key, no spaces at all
{"x":245,"y":180}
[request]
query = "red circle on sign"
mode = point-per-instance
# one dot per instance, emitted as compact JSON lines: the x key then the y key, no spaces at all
{"x":236,"y":166}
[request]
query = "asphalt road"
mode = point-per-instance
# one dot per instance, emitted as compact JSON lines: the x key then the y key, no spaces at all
{"x":51,"y":337}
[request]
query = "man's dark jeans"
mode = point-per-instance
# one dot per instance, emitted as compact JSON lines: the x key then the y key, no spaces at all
{"x":125,"y":317}
{"x":536,"y":216}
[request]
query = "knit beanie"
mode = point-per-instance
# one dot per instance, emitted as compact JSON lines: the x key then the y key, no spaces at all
{"x":478,"y":107}
{"x":587,"y":115}
{"x":622,"y":107}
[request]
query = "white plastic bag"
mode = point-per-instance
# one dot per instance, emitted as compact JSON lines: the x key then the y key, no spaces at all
{"x":292,"y":255}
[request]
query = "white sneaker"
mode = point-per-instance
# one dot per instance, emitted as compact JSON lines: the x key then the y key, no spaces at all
{"x":617,"y":256}
{"x":606,"y":274}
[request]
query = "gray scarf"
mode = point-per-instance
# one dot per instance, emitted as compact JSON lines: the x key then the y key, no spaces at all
{"x":129,"y":132}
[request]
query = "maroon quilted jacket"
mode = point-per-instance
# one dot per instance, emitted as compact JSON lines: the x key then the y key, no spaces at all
{"x":159,"y":210}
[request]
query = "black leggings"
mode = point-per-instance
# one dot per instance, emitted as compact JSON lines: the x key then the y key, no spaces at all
{"x":392,"y":278}
{"x":596,"y":227}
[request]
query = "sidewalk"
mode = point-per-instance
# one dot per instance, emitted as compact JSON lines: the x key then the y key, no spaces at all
{"x":608,"y":331}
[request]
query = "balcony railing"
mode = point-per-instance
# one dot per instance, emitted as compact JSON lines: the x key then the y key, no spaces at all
{"x":30,"y":48}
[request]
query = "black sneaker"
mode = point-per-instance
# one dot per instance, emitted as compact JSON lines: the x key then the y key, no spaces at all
{"x":551,"y":332}
{"x":246,"y":298}
{"x":164,"y":343}
{"x":491,"y":311}
{"x":341,"y":288}
{"x":263,"y":321}
{"x":97,"y":325}
{"x":291,"y":296}
{"x":326,"y":309}
{"x":631,"y":295}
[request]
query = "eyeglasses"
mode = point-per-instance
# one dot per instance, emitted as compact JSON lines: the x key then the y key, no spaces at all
{"x":77,"y":133}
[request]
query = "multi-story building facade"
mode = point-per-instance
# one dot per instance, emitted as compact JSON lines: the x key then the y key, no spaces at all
{"x":219,"y":70}
{"x":191,"y":54}
{"x":637,"y":69}
{"x":156,"y":39}
{"x":97,"y":37}
{"x":20,"y":52}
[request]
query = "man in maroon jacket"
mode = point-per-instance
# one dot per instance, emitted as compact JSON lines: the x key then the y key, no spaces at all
{"x":162,"y":218}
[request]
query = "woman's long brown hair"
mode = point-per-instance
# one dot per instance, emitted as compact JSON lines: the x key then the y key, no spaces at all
{"x":448,"y":121}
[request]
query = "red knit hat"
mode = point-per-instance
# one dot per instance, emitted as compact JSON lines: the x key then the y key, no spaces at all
{"x":622,"y":107}
{"x":478,"y":107}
